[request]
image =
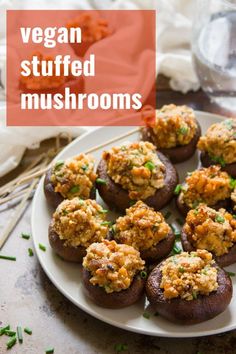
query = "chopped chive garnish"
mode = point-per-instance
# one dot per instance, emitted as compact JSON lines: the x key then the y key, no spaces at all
{"x":132,"y":202}
{"x":103,"y":211}
{"x":176,"y":249}
{"x":182,"y":130}
{"x":30,"y":252}
{"x":42,"y":247}
{"x":19,"y":334}
{"x":7,"y":258}
{"x":104,"y":223}
{"x":173,"y":228}
{"x":28,"y":330}
{"x":74,"y":189}
{"x":149,"y":165}
{"x":179,"y":221}
{"x":181,"y":269}
{"x":120,"y":348}
{"x":219,"y":219}
{"x":231,"y":274}
{"x":167,"y":215}
{"x":219,"y":160}
{"x":49,"y":350}
{"x":178,"y":189}
{"x":232,"y":183}
{"x":228,"y":123}
{"x":113,"y":229}
{"x":101,"y":181}
{"x":146,"y":315}
{"x":25,"y":236}
{"x":85,"y":167}
{"x":4,"y":329}
{"x":143,"y":274}
{"x":58,"y":164}
{"x":194,"y":294}
{"x":11,"y":342}
{"x":177,"y":234}
{"x":234,"y":216}
{"x":10,"y":333}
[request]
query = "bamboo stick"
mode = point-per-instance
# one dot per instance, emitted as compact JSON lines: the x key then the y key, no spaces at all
{"x":95,"y":148}
{"x":18,"y":213}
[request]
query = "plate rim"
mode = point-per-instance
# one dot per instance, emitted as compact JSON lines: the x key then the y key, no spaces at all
{"x":86,"y":309}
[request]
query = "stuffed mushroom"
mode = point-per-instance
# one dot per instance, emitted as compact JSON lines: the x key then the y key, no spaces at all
{"x":146,"y":230}
{"x":215,"y":231}
{"x":74,"y":177}
{"x":210,"y":186}
{"x":218,"y":146}
{"x":112,"y":274}
{"x":233,"y":197}
{"x":76,"y":224}
{"x":189,"y":288}
{"x":175,"y":132}
{"x":136,"y":171}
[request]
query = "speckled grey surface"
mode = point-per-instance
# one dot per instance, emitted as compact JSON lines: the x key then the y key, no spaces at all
{"x":28,"y":298}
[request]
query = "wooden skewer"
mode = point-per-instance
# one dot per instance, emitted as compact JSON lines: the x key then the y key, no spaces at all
{"x":95,"y":148}
{"x":10,"y":186}
{"x":113,"y":140}
{"x":34,"y":175}
{"x":12,"y":196}
{"x":18,"y":212}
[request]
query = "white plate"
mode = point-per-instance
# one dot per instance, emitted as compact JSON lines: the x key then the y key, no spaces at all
{"x":67,"y":277}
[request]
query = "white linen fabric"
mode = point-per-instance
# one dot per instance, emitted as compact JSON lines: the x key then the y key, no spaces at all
{"x":174,"y":22}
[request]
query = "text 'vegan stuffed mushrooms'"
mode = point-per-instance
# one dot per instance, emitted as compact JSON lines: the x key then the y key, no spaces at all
{"x":135,"y":171}
{"x":175,"y":132}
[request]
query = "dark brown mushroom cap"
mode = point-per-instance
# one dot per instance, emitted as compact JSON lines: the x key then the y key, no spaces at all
{"x":194,"y":311}
{"x":156,"y":253}
{"x":68,"y":253}
{"x":114,"y":300}
{"x":184,"y":208}
{"x":207,"y":161}
{"x":223,"y":261}
{"x":55,"y":198}
{"x":118,"y":198}
{"x":176,"y":154}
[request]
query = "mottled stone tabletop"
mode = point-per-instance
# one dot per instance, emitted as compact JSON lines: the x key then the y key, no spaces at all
{"x":29,"y":299}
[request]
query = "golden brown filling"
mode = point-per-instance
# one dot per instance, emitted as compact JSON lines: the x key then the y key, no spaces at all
{"x":174,"y":126}
{"x":40,"y":82}
{"x":80,"y":222}
{"x":93,"y":28}
{"x":220,"y":142}
{"x":206,"y":185}
{"x":137,"y":168}
{"x":209,"y":229}
{"x":74,"y":177}
{"x":188,"y":275}
{"x":141,"y":227}
{"x":233,"y":197}
{"x":112,"y":266}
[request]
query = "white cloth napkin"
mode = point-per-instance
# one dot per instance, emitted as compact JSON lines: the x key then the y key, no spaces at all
{"x":174,"y":22}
